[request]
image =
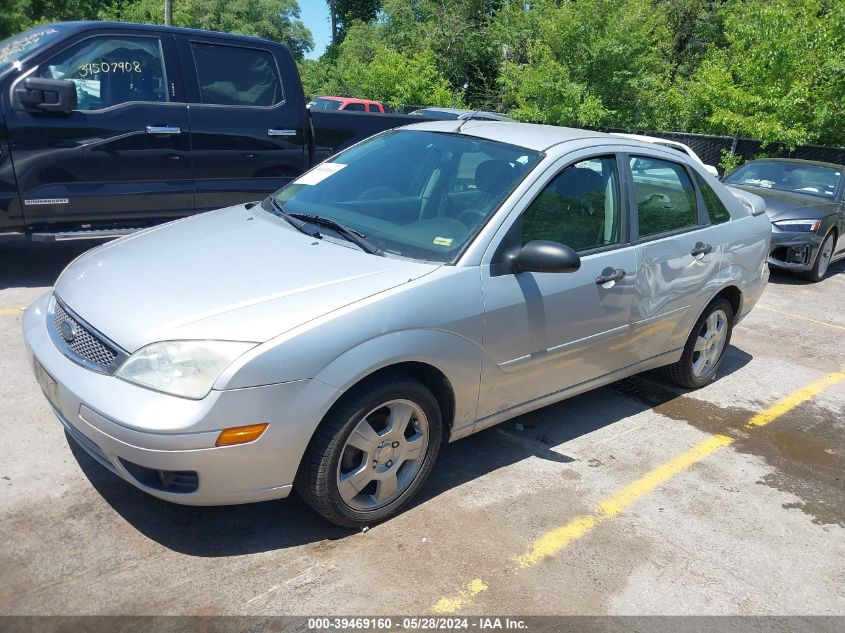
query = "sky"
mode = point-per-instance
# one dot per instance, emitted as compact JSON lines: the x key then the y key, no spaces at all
{"x":315,"y":14}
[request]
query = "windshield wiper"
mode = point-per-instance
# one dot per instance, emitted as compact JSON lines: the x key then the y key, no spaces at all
{"x":303,"y":227}
{"x":356,"y":237}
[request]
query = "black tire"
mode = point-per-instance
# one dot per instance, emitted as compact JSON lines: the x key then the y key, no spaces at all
{"x":681,"y":373}
{"x":815,"y":275}
{"x":317,"y":479}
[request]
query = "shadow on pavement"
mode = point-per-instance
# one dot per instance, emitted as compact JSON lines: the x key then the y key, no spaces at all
{"x":781,"y":277}
{"x":208,"y":531}
{"x":273,"y":525}
{"x":35,"y":264}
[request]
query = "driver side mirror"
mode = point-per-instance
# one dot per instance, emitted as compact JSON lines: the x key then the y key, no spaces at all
{"x":540,"y":256}
{"x":49,"y":95}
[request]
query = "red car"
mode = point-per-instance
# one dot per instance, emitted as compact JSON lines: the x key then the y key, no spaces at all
{"x":347,"y":104}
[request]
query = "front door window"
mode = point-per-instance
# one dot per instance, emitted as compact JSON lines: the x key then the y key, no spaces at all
{"x":109,"y":71}
{"x":579,"y":207}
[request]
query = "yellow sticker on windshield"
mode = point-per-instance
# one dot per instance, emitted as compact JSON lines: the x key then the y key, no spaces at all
{"x":443,"y":241}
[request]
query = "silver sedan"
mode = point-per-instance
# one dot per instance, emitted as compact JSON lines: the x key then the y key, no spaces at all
{"x":425,"y":284}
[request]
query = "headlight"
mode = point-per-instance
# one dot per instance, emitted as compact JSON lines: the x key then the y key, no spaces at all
{"x":181,"y":368}
{"x":800,"y":226}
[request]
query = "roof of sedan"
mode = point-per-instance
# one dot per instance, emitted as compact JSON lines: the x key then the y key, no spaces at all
{"x":536,"y":137}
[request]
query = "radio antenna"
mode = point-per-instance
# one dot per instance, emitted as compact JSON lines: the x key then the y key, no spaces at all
{"x":461,"y":124}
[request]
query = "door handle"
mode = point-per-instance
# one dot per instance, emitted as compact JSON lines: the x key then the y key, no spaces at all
{"x":701,"y":249}
{"x":163,"y":129}
{"x":272,"y":132}
{"x":609,"y":275}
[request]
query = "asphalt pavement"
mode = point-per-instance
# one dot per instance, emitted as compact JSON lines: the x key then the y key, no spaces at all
{"x":636,"y":499}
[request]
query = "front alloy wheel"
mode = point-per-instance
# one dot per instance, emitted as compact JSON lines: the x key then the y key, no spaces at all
{"x":372,"y":452}
{"x":822,"y":263}
{"x":383,"y":455}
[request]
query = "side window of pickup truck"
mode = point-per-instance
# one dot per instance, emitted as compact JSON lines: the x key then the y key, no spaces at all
{"x":109,"y":71}
{"x":235,"y":75}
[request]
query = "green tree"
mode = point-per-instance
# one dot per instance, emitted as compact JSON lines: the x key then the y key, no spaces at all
{"x":543,"y":91}
{"x":13,"y":18}
{"x":828,"y":125}
{"x":22,"y":14}
{"x":467,"y":55}
{"x":345,"y":12}
{"x":696,"y":26}
{"x":274,"y":19}
{"x":779,"y":77}
{"x":607,"y":61}
{"x":366,"y":66}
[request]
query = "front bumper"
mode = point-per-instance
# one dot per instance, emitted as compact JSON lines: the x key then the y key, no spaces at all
{"x":164,"y":445}
{"x":792,"y":250}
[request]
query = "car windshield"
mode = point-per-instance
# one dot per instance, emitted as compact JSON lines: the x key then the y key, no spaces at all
{"x":13,"y":48}
{"x":435,"y":114}
{"x":799,"y":178}
{"x":326,"y":104}
{"x":416,"y":194}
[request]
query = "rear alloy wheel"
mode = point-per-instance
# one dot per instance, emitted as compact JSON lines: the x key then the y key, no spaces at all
{"x":372,"y":452}
{"x":822,"y":263}
{"x":705,"y":347}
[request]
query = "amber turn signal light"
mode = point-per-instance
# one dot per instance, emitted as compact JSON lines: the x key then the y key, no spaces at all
{"x":240,"y":434}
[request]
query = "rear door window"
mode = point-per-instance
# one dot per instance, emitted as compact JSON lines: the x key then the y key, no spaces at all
{"x":665,"y":196}
{"x":716,"y":209}
{"x":236,"y":75}
{"x":354,"y":107}
{"x":110,"y":70}
{"x":374,"y":108}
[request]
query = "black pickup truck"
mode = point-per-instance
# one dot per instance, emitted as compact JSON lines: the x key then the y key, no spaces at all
{"x":109,"y":127}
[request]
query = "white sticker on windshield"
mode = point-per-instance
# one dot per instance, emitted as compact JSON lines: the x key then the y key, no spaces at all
{"x":319,"y":173}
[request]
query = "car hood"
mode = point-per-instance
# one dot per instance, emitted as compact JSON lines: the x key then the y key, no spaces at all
{"x":786,"y":205}
{"x":233,"y":274}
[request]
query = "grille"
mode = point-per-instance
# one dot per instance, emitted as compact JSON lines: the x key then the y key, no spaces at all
{"x":86,"y":345}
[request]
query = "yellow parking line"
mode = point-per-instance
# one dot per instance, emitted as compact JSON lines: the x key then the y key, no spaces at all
{"x":11,"y":310}
{"x":801,"y":317}
{"x":450,"y":605}
{"x":554,"y":541}
{"x":787,"y":404}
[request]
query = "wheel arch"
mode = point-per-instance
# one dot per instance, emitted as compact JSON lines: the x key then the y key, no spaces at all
{"x":448,"y":364}
{"x":734,"y":296}
{"x":429,"y":375}
{"x":835,"y":231}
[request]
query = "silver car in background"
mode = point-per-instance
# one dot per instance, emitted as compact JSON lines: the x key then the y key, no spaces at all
{"x":422,"y":285}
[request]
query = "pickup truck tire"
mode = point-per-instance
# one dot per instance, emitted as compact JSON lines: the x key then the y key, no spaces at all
{"x":372,"y":452}
{"x":705,"y":348}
